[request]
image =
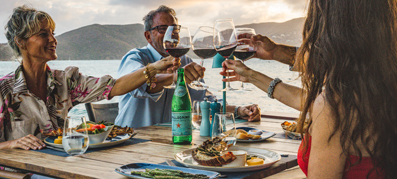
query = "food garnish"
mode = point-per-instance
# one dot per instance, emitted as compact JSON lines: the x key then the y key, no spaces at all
{"x":58,"y":140}
{"x":54,"y":133}
{"x":117,"y":130}
{"x":255,"y":161}
{"x":211,"y":153}
{"x":292,"y":126}
{"x":243,"y":135}
{"x":167,"y":173}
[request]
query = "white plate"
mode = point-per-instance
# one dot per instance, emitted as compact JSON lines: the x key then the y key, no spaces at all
{"x":185,"y":158}
{"x":265,"y":134}
{"x":117,"y":140}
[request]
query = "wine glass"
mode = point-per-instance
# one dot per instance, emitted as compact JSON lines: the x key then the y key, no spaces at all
{"x":75,"y":139}
{"x":177,"y":43}
{"x":220,"y":126}
{"x":225,"y":42}
{"x":203,"y":47}
{"x":243,"y":50}
{"x":196,"y":114}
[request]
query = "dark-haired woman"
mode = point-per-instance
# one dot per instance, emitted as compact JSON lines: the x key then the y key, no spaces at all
{"x":348,"y":67}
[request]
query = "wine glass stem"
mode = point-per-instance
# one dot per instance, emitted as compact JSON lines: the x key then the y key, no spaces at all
{"x":201,"y":63}
{"x":242,"y":84}
{"x":228,"y":79}
{"x":173,"y":78}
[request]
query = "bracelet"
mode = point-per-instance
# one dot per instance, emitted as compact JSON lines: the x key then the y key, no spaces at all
{"x":150,"y":80}
{"x":272,"y":86}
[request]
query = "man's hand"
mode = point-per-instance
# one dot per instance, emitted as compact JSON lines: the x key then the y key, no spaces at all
{"x":251,"y":112}
{"x":167,"y":65}
{"x":193,"y":71}
{"x":28,"y":142}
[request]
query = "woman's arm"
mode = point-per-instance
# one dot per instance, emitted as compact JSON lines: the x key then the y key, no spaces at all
{"x":287,"y":94}
{"x":326,"y":158}
{"x":136,"y":79}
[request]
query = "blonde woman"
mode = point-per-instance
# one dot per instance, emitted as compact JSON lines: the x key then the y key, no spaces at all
{"x":37,"y":98}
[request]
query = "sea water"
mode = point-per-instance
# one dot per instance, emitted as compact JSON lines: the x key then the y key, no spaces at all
{"x":212,"y":78}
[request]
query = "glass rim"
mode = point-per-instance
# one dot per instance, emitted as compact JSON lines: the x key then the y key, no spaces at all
{"x":224,"y":19}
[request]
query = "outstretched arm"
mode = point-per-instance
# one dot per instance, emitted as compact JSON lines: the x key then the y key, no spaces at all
{"x":287,"y":94}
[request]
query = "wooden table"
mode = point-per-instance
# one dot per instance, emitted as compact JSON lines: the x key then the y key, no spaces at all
{"x":101,"y":164}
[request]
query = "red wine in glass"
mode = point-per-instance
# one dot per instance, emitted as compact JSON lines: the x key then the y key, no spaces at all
{"x":225,"y":42}
{"x":243,"y":54}
{"x":176,"y":42}
{"x":205,"y":53}
{"x":226,"y":51}
{"x":203,"y":47}
{"x":177,"y":52}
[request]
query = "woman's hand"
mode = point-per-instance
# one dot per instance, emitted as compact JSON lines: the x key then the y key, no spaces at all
{"x":167,"y":65}
{"x":265,"y":47}
{"x":28,"y":142}
{"x":239,"y":72}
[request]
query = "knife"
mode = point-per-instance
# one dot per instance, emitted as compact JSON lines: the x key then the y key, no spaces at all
{"x":54,"y":148}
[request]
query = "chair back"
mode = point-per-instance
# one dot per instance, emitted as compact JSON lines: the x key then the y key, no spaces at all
{"x":102,"y":112}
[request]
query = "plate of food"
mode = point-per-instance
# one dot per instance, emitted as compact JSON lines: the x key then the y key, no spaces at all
{"x":291,"y":129}
{"x":147,"y":170}
{"x":249,"y":134}
{"x":101,"y":136}
{"x":211,"y":156}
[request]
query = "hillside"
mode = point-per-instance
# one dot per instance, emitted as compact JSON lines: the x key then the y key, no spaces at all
{"x":97,"y":42}
{"x":5,"y":52}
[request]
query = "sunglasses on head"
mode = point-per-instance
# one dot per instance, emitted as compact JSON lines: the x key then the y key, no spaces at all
{"x":163,"y":28}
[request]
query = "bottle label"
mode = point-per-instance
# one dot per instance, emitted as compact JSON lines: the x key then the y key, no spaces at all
{"x":180,"y":91}
{"x":181,"y":123}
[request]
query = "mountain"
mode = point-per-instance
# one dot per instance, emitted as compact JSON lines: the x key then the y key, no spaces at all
{"x":289,"y":32}
{"x":97,"y":42}
{"x":5,"y":52}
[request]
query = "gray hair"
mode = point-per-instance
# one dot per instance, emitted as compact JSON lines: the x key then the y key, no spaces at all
{"x":148,"y":19}
{"x":23,"y":23}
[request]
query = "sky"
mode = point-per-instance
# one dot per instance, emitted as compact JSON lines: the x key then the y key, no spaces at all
{"x":72,"y":14}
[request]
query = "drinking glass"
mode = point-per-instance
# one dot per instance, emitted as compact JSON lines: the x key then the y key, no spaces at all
{"x":177,"y":43}
{"x":224,"y":122}
{"x":196,"y":114}
{"x":244,"y":51}
{"x":75,"y":139}
{"x":203,"y":47}
{"x":225,"y":42}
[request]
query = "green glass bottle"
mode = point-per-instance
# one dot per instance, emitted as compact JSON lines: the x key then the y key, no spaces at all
{"x":181,"y":111}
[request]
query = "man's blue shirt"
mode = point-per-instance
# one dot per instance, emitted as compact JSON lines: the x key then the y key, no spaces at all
{"x":139,"y":108}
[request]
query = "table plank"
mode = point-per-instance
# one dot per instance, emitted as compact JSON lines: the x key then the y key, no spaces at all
{"x":64,"y":167}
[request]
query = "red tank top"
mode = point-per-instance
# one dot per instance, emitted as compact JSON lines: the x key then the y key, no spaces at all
{"x":359,"y":171}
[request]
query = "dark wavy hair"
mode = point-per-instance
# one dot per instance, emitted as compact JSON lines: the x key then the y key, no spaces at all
{"x":349,"y":50}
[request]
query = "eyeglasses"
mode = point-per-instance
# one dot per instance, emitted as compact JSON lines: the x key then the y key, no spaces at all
{"x":163,"y":28}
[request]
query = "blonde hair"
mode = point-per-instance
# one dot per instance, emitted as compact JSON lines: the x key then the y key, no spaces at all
{"x":23,"y":23}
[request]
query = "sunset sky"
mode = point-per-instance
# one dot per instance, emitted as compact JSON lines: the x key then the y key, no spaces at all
{"x":72,"y":14}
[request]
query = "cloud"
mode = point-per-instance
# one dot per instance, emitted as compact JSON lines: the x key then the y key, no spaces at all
{"x":73,"y":14}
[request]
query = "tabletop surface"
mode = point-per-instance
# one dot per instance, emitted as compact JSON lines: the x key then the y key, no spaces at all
{"x":101,"y":164}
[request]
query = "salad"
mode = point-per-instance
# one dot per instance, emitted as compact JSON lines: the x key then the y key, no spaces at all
{"x":94,"y":128}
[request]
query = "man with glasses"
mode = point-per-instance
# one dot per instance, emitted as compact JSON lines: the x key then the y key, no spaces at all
{"x":147,"y":106}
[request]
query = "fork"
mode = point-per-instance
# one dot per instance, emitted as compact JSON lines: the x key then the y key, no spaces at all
{"x":170,"y":163}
